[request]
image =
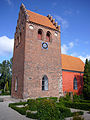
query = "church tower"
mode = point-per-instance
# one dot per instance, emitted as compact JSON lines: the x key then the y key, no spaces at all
{"x":36,"y":68}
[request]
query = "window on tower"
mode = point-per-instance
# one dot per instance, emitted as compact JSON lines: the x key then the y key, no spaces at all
{"x":16,"y":84}
{"x":75,"y":84}
{"x":45,"y":83}
{"x":40,"y":34}
{"x":48,"y":37}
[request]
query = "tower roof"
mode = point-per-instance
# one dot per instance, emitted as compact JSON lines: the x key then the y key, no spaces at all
{"x":72,"y":63}
{"x":41,"y":20}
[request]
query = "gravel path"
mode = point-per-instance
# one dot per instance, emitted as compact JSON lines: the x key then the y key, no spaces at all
{"x":6,"y":113}
{"x":86,"y":115}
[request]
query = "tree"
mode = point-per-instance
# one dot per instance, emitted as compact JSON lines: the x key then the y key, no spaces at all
{"x":6,"y":74}
{"x":86,"y":79}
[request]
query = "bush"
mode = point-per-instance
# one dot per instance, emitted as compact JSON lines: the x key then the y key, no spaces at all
{"x":32,"y":115}
{"x":65,"y":112}
{"x":82,"y":106}
{"x":53,"y":98}
{"x":18,"y":103}
{"x":32,"y":104}
{"x":85,"y":101}
{"x":21,"y":110}
{"x":47,"y":110}
{"x":77,"y":113}
{"x":78,"y":118}
{"x":76,"y":98}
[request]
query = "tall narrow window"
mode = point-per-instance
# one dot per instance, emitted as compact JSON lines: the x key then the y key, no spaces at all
{"x":45,"y":83}
{"x":16,"y":84}
{"x":48,"y":36}
{"x":75,"y":84}
{"x":40,"y":34}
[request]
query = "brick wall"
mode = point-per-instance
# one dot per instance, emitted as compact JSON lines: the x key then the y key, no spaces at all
{"x":39,"y":62}
{"x":68,"y":78}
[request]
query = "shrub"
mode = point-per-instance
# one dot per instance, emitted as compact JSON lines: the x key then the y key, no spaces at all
{"x":82,"y":106}
{"x":32,"y":104}
{"x":18,"y":103}
{"x":47,"y":110}
{"x":53,"y":98}
{"x":77,"y":113}
{"x":32,"y":115}
{"x":76,"y":98}
{"x":21,"y":110}
{"x":65,"y":112}
{"x":78,"y":118}
{"x":85,"y":101}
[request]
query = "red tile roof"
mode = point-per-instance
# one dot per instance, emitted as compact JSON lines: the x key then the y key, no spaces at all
{"x":40,"y":19}
{"x":72,"y":63}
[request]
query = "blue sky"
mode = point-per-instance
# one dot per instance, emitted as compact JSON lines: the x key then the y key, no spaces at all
{"x":72,"y":15}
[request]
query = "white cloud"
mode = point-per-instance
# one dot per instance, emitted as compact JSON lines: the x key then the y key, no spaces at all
{"x":74,"y":54}
{"x":64,"y":23}
{"x":71,"y":44}
{"x":84,"y":58}
{"x":9,"y":2}
{"x":65,"y":48}
{"x":6,"y":45}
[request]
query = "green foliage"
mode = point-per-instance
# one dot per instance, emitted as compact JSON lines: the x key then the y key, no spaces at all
{"x":6,"y":75}
{"x":76,"y":98}
{"x":65,"y":112}
{"x":47,"y":110}
{"x":77,"y":113}
{"x":18,"y":103}
{"x":82,"y":106}
{"x":86,"y":78}
{"x":85,"y":101}
{"x":32,"y":104}
{"x":32,"y":115}
{"x":77,"y":116}
{"x":21,"y":110}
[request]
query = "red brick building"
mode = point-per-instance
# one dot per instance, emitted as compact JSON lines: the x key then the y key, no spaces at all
{"x":37,"y":68}
{"x":72,"y":74}
{"x":37,"y":56}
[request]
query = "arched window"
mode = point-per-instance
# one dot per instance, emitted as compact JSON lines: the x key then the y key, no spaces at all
{"x":16,"y":84}
{"x":40,"y":34}
{"x":75,"y":84}
{"x":48,"y":37}
{"x":45,"y":83}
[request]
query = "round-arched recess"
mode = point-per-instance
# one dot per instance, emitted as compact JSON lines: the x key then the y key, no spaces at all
{"x":45,"y":83}
{"x":75,"y":84}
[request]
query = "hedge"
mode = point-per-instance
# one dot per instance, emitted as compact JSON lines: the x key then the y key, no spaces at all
{"x":32,"y":115}
{"x":32,"y":103}
{"x":47,"y":110}
{"x":85,"y":101}
{"x":82,"y":106}
{"x":65,"y":112}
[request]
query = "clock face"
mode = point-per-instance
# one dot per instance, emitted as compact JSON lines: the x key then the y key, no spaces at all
{"x":44,"y":45}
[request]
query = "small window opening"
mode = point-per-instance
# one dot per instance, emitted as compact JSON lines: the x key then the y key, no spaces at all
{"x":48,"y":36}
{"x":75,"y":84}
{"x":45,"y":83}
{"x":16,"y":84}
{"x":40,"y":34}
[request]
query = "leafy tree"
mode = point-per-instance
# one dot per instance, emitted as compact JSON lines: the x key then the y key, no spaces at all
{"x":6,"y":74}
{"x":86,"y":78}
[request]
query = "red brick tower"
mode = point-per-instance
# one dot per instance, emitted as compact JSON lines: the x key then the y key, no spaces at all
{"x":37,"y":56}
